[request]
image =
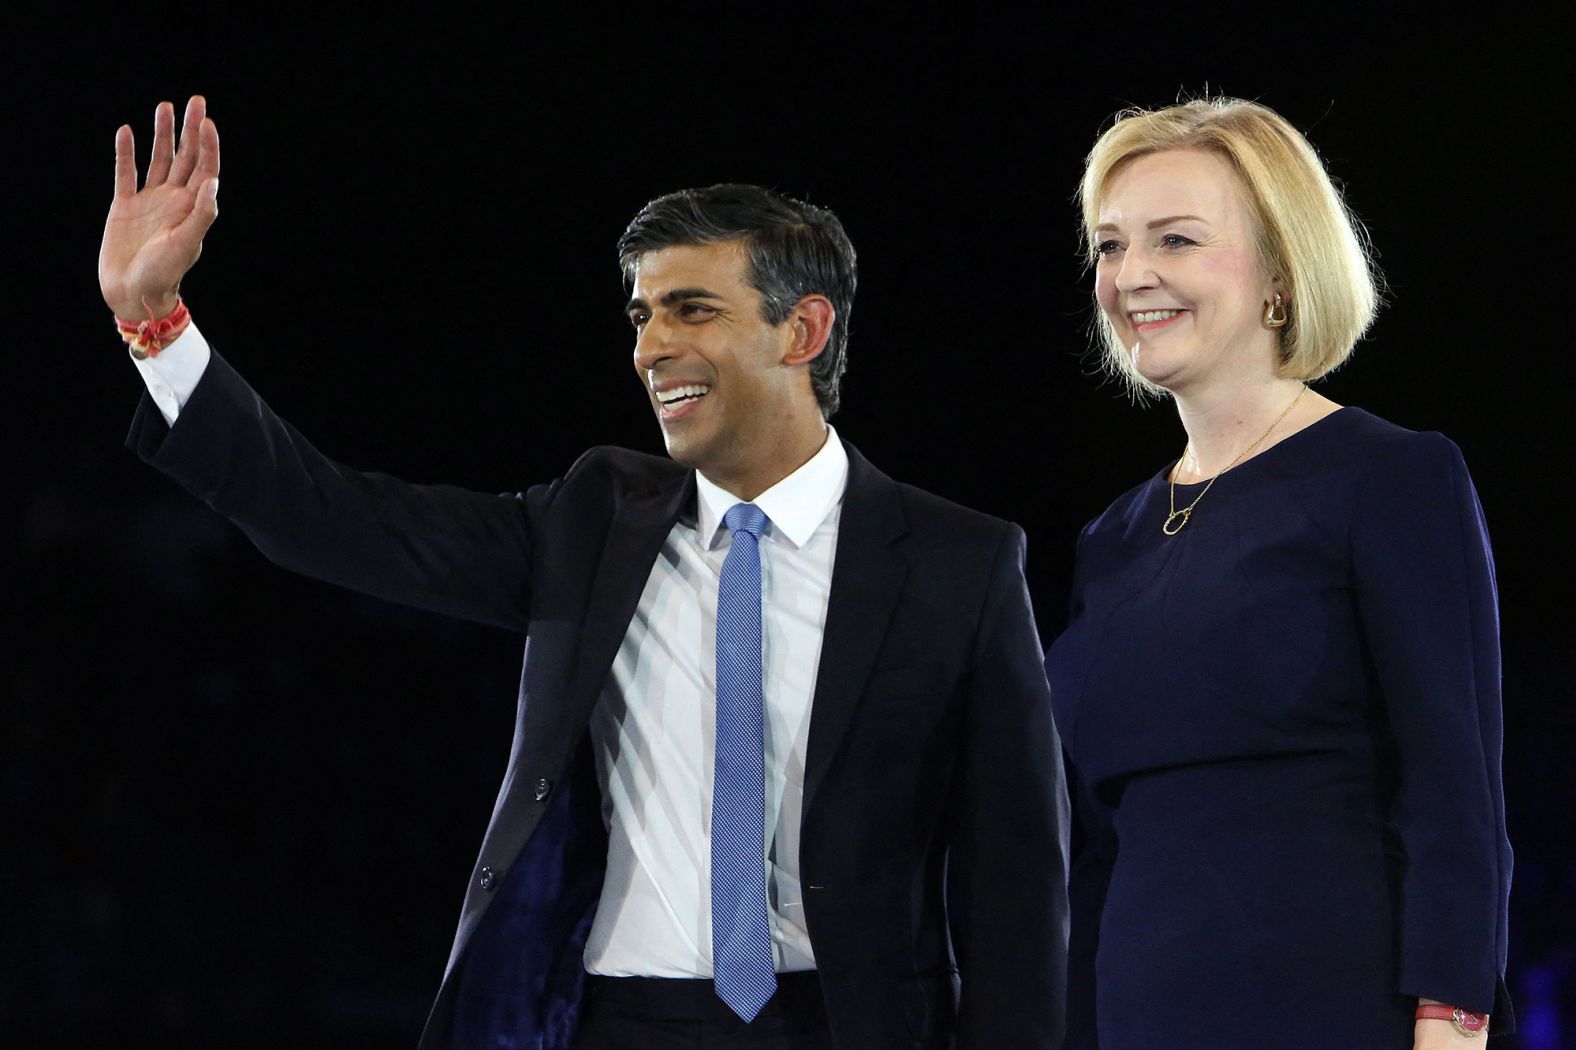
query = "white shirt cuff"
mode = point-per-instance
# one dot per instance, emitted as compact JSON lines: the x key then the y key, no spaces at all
{"x":173,"y":374}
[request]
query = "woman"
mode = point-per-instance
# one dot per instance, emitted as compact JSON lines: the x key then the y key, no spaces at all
{"x":1280,"y":683}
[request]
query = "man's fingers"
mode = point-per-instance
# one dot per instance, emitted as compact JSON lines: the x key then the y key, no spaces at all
{"x":207,"y":151}
{"x":125,"y":163}
{"x":204,"y":210}
{"x":163,"y":145}
{"x":186,"y":156}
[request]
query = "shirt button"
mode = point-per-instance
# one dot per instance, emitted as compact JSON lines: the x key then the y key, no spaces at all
{"x":487,"y":880}
{"x":544,"y":787}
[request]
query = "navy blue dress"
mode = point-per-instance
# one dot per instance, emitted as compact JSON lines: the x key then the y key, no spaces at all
{"x":1285,"y":724}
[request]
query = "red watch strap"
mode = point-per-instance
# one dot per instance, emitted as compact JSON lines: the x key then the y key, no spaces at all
{"x":1465,"y":1021}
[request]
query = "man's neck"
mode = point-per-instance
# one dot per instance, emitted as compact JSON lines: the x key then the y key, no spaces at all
{"x":749,"y":483}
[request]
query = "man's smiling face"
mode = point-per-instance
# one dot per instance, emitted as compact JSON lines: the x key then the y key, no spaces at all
{"x":713,"y":367}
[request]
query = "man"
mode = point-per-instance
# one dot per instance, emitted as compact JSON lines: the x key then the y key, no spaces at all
{"x":784,"y":773}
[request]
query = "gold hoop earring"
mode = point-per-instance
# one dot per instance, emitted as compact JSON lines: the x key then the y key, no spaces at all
{"x":1275,"y":315}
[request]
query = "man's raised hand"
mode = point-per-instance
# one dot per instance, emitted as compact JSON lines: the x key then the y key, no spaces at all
{"x":154,"y":235}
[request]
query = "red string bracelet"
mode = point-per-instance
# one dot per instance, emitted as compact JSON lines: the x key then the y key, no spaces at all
{"x":146,"y":338}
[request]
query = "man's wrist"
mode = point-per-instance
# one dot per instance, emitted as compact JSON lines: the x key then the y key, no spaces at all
{"x":141,"y":309}
{"x":147,"y":337}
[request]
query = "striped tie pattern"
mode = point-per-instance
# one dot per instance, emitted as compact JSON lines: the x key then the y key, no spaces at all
{"x":741,"y":941}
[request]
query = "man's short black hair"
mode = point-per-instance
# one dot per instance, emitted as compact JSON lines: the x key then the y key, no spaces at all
{"x":794,"y":250}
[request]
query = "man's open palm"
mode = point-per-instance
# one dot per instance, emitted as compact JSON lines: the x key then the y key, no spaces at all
{"x":154,"y":235}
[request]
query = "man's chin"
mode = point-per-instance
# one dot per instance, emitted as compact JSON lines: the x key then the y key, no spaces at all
{"x":707,"y":457}
{"x":684,"y":452}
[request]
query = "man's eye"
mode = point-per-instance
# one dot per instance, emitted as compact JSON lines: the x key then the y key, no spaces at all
{"x":695,"y":311}
{"x":638,"y":321}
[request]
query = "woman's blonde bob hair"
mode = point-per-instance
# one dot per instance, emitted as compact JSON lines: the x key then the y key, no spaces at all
{"x":1308,"y":239}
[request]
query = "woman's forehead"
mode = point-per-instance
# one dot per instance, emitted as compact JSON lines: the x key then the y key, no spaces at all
{"x":1186,"y":182}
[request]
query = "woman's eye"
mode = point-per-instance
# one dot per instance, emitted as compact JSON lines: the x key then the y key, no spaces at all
{"x":1105,"y":248}
{"x":1175,"y":240}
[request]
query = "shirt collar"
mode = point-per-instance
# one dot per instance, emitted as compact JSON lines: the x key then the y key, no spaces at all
{"x":796,"y":505}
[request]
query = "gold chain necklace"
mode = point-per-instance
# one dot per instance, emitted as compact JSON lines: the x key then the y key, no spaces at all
{"x":1181,"y":516}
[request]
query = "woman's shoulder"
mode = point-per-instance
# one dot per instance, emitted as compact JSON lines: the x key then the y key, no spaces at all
{"x":1372,"y":472}
{"x":1352,"y":447}
{"x":1385,"y":447}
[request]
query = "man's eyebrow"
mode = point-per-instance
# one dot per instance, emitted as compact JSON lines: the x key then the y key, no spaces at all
{"x":680,"y":294}
{"x":1111,"y":227}
{"x":671,"y":297}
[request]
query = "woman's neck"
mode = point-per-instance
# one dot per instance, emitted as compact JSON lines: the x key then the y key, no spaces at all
{"x":1222,"y":424}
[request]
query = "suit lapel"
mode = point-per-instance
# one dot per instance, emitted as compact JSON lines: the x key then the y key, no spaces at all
{"x":635,"y":536}
{"x":867,"y":576}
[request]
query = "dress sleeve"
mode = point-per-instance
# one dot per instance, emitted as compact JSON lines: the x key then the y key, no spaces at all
{"x":1424,"y":584}
{"x":1093,"y":857}
{"x":1094,"y":848}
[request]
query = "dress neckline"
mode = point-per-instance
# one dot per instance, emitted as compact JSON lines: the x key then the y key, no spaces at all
{"x":1165,"y":472}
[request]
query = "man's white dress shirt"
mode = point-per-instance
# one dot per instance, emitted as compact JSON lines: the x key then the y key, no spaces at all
{"x":654,"y":728}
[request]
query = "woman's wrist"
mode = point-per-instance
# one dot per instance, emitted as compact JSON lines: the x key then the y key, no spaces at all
{"x":1467,"y":1022}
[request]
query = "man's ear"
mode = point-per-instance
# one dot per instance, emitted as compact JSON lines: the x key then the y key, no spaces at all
{"x":809,"y":328}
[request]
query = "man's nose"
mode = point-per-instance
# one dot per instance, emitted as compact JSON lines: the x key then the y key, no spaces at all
{"x":654,"y":344}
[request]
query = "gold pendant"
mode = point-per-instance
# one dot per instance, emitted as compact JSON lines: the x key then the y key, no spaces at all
{"x":1183,"y":514}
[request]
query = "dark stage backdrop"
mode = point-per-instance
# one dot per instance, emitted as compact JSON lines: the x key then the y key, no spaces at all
{"x":240,"y":807}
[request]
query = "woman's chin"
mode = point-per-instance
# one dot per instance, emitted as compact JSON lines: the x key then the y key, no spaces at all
{"x":1156,"y":369}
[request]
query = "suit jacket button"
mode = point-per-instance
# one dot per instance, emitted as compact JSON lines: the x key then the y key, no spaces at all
{"x":487,"y":879}
{"x":544,"y":788}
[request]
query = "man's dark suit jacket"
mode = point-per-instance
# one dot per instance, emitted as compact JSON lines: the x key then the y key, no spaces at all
{"x":934,"y":830}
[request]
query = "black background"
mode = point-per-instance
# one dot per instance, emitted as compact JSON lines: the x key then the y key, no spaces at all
{"x":239,"y":806}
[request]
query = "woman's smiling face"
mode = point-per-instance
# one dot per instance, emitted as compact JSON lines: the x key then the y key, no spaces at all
{"x":1179,"y":274}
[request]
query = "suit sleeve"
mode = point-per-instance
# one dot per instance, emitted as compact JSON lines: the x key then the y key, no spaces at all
{"x":1424,"y":582}
{"x":435,"y":547}
{"x":1007,"y":866}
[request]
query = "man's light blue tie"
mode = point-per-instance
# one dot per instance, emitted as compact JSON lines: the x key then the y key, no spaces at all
{"x":741,"y":940}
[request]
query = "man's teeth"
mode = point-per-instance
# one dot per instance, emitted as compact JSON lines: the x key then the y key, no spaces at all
{"x":680,"y":394}
{"x":1151,"y":316}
